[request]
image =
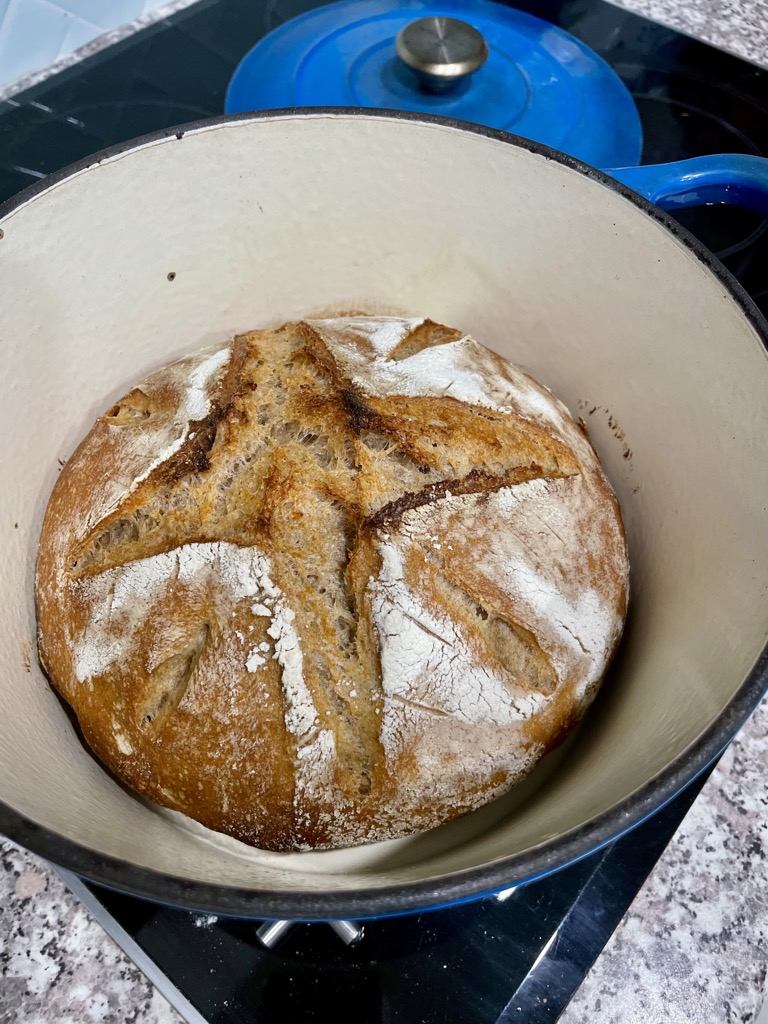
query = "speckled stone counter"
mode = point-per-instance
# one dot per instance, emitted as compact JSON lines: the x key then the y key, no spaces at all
{"x":57,"y":965}
{"x":692,"y":949}
{"x":738,"y":26}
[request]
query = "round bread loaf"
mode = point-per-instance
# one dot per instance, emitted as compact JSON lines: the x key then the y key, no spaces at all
{"x":332,"y":583}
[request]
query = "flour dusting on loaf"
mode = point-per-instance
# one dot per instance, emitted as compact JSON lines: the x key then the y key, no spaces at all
{"x":154,"y":439}
{"x":332,"y":583}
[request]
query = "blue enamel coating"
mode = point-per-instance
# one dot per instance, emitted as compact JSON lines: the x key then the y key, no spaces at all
{"x":538,"y":81}
{"x":736,"y":179}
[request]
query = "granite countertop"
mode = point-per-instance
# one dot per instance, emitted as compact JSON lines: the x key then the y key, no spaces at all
{"x":691,"y":950}
{"x":57,"y":964}
{"x":737,"y":26}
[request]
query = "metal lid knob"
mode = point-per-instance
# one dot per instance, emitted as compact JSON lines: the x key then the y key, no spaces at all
{"x":442,"y":51}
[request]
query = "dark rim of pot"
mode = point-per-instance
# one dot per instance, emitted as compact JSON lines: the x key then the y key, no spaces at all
{"x":458,"y":886}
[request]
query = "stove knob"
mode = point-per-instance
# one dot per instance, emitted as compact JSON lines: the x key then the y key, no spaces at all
{"x":442,"y":51}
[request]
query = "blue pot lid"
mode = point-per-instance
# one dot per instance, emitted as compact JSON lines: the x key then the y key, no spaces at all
{"x":538,"y":81}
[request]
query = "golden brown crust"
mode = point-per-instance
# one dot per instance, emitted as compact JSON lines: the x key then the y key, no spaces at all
{"x":296,"y":590}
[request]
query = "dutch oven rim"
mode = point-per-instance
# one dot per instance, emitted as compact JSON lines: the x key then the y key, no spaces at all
{"x":460,"y":886}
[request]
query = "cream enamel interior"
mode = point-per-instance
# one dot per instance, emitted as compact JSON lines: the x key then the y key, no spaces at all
{"x":265,"y":220}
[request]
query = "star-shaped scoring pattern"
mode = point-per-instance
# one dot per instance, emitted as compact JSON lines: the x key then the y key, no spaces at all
{"x":297,"y":580}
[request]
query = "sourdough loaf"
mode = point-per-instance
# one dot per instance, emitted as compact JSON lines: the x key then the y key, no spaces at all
{"x":332,"y":583}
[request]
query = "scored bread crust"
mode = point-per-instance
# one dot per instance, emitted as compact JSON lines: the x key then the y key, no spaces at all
{"x":332,"y":583}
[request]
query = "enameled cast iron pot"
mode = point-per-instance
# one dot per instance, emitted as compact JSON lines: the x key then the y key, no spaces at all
{"x":158,"y":247}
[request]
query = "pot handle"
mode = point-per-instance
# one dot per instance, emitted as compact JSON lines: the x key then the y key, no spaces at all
{"x":732,"y":178}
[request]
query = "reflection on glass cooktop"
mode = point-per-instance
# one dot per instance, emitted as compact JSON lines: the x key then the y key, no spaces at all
{"x":519,"y":956}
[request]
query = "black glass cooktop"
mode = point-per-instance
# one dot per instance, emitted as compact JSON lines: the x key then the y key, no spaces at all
{"x":514,"y":957}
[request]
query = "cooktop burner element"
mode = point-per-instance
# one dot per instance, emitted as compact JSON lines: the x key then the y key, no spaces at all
{"x":516,"y":72}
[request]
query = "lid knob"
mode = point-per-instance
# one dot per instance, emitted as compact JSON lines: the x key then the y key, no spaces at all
{"x":442,"y":51}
